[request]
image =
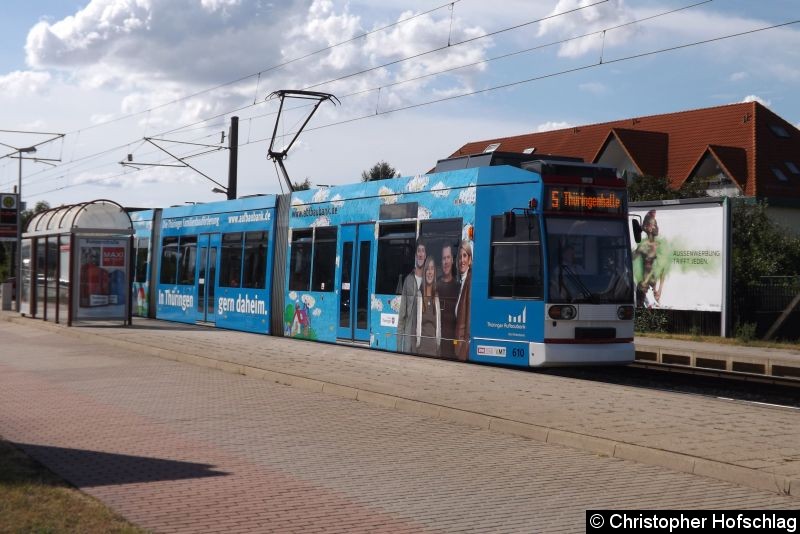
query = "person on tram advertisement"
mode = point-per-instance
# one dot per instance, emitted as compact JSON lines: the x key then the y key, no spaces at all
{"x":463,"y":303}
{"x":407,"y":314}
{"x":428,"y":325}
{"x":448,"y":288}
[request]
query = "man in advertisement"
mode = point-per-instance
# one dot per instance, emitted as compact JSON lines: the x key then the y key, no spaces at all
{"x":408,"y":300}
{"x":463,"y":304}
{"x":448,"y":288}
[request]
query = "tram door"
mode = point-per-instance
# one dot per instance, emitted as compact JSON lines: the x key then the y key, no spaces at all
{"x":356,"y":257}
{"x":208,"y":250}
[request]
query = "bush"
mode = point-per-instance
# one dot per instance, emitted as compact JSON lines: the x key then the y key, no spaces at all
{"x":650,"y":320}
{"x":746,"y":332}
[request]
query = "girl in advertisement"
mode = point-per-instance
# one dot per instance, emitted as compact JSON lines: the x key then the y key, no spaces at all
{"x":429,"y":315}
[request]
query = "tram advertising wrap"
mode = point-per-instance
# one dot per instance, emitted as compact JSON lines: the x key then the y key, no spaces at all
{"x":469,"y":263}
{"x":214,"y":264}
{"x":679,"y":263}
{"x":102,"y":264}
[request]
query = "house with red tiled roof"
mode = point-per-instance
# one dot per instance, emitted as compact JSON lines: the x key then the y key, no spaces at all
{"x":741,"y":149}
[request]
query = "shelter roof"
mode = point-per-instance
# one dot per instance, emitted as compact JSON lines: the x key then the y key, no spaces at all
{"x":93,"y":217}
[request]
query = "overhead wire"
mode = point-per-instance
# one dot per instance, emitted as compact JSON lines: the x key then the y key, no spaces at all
{"x":258,"y":74}
{"x":241,"y":108}
{"x":544,"y":76}
{"x":446,"y":70}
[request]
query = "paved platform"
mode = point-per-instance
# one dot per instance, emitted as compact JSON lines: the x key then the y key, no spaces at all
{"x":751,"y":445}
{"x":768,"y":362}
{"x":184,"y":448}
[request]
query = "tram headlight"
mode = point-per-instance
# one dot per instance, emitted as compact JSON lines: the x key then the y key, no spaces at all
{"x":562,"y":312}
{"x":625,"y":313}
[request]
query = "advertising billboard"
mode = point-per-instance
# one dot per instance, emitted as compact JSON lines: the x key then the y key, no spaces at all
{"x":680,"y":263}
{"x":102,"y":285}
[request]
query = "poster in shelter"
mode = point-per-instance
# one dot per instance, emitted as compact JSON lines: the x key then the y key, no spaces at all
{"x":102,"y":285}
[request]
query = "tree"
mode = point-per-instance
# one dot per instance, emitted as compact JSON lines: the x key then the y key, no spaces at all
{"x":760,"y":247}
{"x":652,"y":188}
{"x":302,"y":186}
{"x":26,"y":215}
{"x":379,"y":171}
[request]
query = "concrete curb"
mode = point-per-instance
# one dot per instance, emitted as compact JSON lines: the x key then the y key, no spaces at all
{"x":601,"y":446}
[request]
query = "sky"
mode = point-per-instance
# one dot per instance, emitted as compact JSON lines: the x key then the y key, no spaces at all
{"x":415,"y":80}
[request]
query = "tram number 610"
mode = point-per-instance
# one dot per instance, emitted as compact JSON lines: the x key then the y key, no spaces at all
{"x":517,"y":353}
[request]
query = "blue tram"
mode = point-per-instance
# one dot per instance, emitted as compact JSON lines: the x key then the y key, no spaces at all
{"x":490,"y":258}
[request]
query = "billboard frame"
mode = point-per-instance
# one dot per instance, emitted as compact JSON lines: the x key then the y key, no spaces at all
{"x":725,"y":203}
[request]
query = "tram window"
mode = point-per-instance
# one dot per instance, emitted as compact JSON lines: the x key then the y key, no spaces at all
{"x":437,"y":233}
{"x":188,"y":260}
{"x":300,"y":262}
{"x":396,"y":244}
{"x":230,"y":261}
{"x":169,"y":260}
{"x":516,"y":261}
{"x":324,"y":259}
{"x":255,"y":260}
{"x":142,"y":246}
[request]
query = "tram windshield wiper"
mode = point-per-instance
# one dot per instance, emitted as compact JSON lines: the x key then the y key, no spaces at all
{"x":576,"y":280}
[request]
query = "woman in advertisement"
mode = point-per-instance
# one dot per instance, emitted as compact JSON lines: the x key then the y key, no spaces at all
{"x":429,"y":316}
{"x":462,"y":306}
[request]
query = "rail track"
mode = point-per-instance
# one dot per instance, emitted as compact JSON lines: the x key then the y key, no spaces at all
{"x":779,"y":392}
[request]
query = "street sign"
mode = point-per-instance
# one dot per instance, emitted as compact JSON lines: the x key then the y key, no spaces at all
{"x":8,"y":216}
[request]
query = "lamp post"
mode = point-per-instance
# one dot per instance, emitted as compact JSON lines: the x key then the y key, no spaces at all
{"x":20,"y":151}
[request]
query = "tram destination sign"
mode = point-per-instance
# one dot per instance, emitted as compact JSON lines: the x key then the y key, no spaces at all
{"x":584,"y":199}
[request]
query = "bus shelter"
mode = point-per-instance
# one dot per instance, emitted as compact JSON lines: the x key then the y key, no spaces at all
{"x":75,"y":264}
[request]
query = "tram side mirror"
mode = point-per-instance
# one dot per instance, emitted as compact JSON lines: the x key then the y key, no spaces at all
{"x":509,"y":224}
{"x":637,"y":230}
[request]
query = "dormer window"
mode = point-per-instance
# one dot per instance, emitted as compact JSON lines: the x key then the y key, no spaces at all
{"x":779,"y":130}
{"x":779,"y":174}
{"x":491,"y":148}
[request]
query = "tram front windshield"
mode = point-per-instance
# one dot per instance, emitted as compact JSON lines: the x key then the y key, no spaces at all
{"x":589,"y":261}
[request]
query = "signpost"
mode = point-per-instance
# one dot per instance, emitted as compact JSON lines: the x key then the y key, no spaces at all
{"x":8,"y":217}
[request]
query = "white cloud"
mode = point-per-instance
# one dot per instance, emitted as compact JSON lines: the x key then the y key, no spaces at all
{"x":553,"y":125}
{"x":755,"y":98}
{"x":158,"y":51}
{"x":738,"y":76}
{"x":144,"y":42}
{"x":588,"y":20}
{"x":21,"y":83}
{"x":325,"y":26}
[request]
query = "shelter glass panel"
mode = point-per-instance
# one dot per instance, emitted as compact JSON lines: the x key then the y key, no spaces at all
{"x":63,"y":278}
